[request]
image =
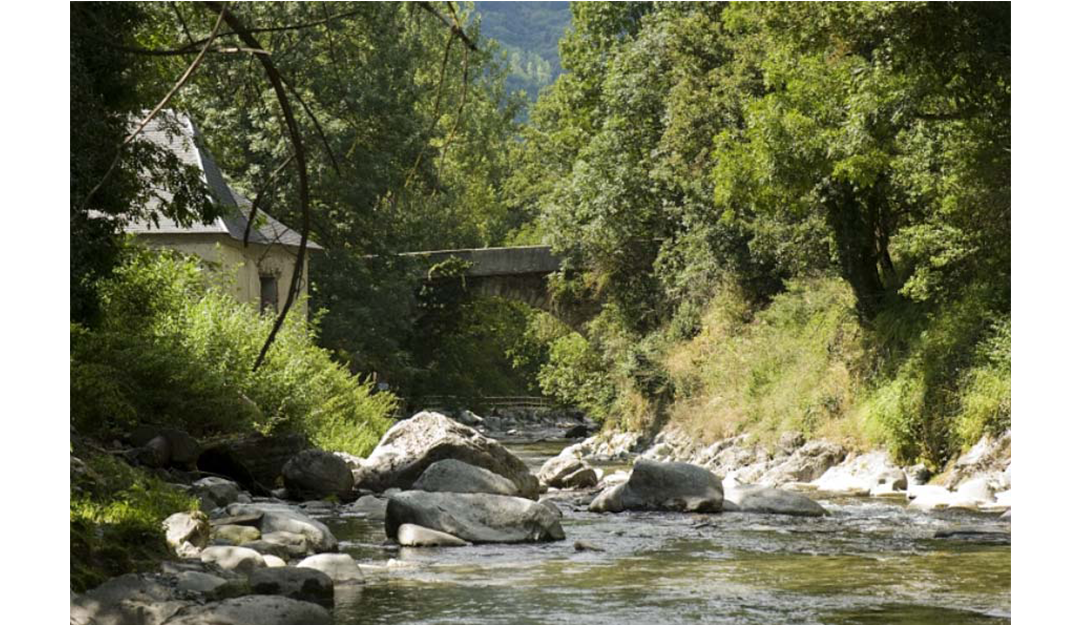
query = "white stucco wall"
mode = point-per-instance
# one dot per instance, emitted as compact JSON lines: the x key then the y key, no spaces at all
{"x":238,"y":266}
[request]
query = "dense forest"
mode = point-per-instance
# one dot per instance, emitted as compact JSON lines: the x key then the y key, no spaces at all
{"x":772,"y":217}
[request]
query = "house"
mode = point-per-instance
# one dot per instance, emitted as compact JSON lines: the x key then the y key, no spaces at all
{"x":260,"y":272}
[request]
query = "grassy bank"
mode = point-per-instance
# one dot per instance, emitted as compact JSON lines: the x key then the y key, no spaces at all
{"x":923,"y":382}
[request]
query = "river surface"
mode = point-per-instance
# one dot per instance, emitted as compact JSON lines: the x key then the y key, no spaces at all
{"x":871,"y":560}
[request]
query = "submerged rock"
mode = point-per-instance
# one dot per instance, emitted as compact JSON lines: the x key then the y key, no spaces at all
{"x":676,"y":486}
{"x":478,"y":518}
{"x":411,"y":446}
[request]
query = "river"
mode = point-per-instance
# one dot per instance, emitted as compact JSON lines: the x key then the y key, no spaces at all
{"x":871,"y":560}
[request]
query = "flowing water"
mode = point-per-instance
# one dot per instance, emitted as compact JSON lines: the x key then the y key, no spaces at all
{"x":869,"y":561}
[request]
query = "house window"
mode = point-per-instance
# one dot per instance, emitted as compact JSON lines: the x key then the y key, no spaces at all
{"x":268,"y":293}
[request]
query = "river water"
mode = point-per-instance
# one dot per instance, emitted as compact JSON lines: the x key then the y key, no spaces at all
{"x":869,"y":561}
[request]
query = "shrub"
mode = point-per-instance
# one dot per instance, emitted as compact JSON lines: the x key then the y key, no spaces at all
{"x":174,"y":348}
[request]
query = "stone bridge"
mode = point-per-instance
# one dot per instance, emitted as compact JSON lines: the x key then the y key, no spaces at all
{"x":518,"y":273}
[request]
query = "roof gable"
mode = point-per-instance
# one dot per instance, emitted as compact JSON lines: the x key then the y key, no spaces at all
{"x":178,"y":133}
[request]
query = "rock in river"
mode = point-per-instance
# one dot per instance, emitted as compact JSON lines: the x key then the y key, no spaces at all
{"x":314,"y":474}
{"x":454,"y":476}
{"x":411,"y":446}
{"x":676,"y":486}
{"x":282,"y":518}
{"x":773,"y":501}
{"x":300,"y":583}
{"x":478,"y":518}
{"x":409,"y":535}
{"x":261,"y":609}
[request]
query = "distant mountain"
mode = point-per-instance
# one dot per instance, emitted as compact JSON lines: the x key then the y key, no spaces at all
{"x":530,"y":33}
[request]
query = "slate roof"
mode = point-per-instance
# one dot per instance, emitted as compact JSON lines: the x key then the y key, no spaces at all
{"x":179,"y":134}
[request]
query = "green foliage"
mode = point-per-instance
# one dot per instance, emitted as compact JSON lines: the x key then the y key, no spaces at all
{"x":116,"y":516}
{"x":575,"y":374}
{"x":109,"y":88}
{"x":173,"y":348}
{"x":943,"y":379}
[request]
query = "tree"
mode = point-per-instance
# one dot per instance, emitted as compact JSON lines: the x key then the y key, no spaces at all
{"x":870,"y":114}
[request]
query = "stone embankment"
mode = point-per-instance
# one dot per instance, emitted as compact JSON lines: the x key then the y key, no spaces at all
{"x":978,"y":480}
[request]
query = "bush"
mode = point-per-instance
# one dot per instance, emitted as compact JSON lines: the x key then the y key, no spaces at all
{"x":174,"y":348}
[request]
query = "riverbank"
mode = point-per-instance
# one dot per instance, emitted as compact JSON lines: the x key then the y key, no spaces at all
{"x":255,"y":558}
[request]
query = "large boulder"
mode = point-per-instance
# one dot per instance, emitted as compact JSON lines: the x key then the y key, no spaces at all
{"x":773,"y":501}
{"x":454,"y":476}
{"x":314,"y":474}
{"x":478,"y":518}
{"x":411,"y":446}
{"x":676,"y":486}
{"x":368,"y":506}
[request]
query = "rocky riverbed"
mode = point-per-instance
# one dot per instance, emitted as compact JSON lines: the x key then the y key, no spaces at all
{"x":502,"y":522}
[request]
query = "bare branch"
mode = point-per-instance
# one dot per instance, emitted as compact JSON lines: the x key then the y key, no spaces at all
{"x":454,"y":28}
{"x":318,"y":126}
{"x":301,"y":165}
{"x":259,"y":196}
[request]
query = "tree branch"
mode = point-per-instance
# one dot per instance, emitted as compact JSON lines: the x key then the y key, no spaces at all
{"x":157,"y":109}
{"x":301,"y":165}
{"x":454,"y":27}
{"x":259,"y":196}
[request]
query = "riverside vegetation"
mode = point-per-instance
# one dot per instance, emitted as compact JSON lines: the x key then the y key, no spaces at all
{"x":775,"y":219}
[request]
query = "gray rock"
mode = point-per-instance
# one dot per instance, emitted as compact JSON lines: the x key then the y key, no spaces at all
{"x":675,"y":486}
{"x":209,"y":586}
{"x":276,"y":549}
{"x":773,"y":501}
{"x":215,"y":492}
{"x":790,"y":442}
{"x":370,"y":506}
{"x":187,"y":533}
{"x":230,"y":558}
{"x":273,"y":562}
{"x":314,"y":474}
{"x":281,"y":518}
{"x":806,"y":464}
{"x":300,"y":583}
{"x":585,"y":477}
{"x":260,"y":609}
{"x":454,"y":476}
{"x":478,"y":518}
{"x":255,"y":461}
{"x":339,"y":566}
{"x":411,"y":446}
{"x":235,"y":534}
{"x":174,"y":447}
{"x":581,"y":545}
{"x":409,"y":535}
{"x":126,"y":600}
{"x":556,"y":471}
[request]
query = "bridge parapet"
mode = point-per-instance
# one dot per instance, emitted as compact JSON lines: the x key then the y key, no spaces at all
{"x":497,"y":261}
